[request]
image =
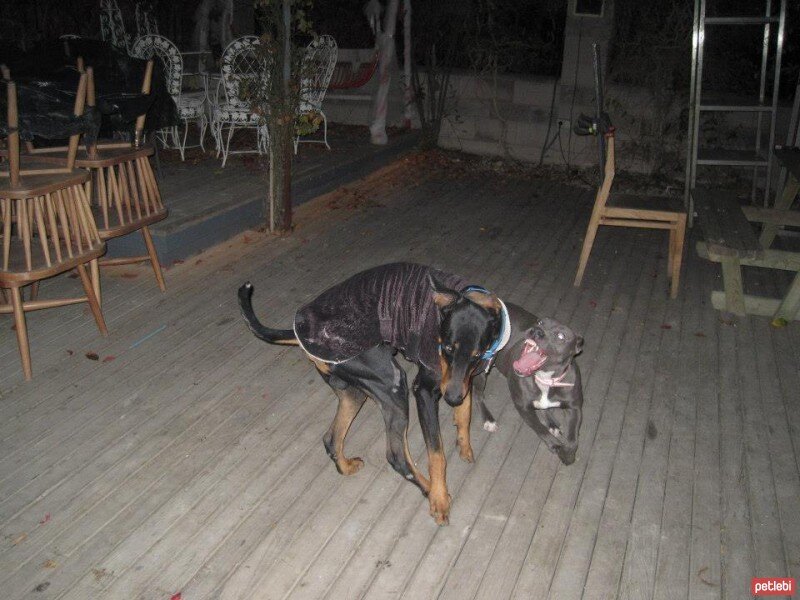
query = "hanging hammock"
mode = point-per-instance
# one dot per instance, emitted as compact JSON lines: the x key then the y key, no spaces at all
{"x":352,"y":76}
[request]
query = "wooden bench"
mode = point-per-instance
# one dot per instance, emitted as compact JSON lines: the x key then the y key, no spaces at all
{"x":731,"y":241}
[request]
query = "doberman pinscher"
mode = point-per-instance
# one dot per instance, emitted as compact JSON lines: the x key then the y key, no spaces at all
{"x":352,"y":332}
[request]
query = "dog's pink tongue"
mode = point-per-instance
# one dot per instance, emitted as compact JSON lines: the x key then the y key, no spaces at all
{"x":528,"y":362}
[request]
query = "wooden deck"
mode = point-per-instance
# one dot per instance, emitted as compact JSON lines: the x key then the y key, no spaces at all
{"x":188,"y":457}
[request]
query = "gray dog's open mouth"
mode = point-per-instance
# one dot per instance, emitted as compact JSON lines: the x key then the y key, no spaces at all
{"x":531,"y":359}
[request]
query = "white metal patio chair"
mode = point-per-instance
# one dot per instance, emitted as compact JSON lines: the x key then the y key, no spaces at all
{"x":146,"y":23}
{"x":191,"y":105}
{"x":240,"y":61}
{"x":317,"y":67}
{"x":112,"y":26}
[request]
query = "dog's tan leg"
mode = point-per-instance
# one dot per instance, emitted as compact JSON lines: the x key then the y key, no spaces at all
{"x":423,"y":481}
{"x":438,"y":497}
{"x":350,"y":403}
{"x":462,"y":416}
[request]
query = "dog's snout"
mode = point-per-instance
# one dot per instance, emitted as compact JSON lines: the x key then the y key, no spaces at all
{"x":538,"y":333}
{"x":454,"y":399}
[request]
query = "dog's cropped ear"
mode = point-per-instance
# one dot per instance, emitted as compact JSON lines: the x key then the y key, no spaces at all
{"x":578,"y":345}
{"x":442,"y":295}
{"x":488,"y":301}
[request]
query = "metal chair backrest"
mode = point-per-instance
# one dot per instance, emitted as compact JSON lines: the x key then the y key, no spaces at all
{"x":241,"y":61}
{"x":168,"y":55}
{"x":317,"y":67}
{"x":146,"y":23}
{"x":112,"y":27}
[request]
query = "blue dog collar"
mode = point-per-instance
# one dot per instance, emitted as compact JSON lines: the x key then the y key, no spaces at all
{"x":505,"y":326}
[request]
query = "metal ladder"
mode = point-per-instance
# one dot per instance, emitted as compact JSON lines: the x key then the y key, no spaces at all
{"x":761,"y":156}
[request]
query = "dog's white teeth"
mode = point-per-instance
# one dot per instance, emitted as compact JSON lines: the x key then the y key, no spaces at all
{"x":530,"y":346}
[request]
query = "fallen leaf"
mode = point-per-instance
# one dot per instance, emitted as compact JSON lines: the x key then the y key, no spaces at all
{"x":109,"y":358}
{"x":49,"y":564}
{"x":70,"y":352}
{"x":19,"y":539}
{"x":176,"y":596}
{"x":666,"y":326}
{"x":92,"y":356}
{"x":129,"y":275}
{"x":99,"y":574}
{"x":177,"y":261}
{"x":592,"y":303}
{"x":45,"y":519}
{"x":779,"y":322}
{"x":700,"y":334}
{"x":42,"y":586}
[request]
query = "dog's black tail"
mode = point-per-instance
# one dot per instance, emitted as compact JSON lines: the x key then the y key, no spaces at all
{"x":273,"y":336}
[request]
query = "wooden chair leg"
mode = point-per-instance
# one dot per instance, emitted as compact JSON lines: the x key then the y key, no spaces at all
{"x":151,"y":250}
{"x":588,"y":242}
{"x":671,"y":253}
{"x":94,"y":305}
{"x":34,"y":290}
{"x":22,"y":332}
{"x":677,"y":258}
{"x":94,"y":269}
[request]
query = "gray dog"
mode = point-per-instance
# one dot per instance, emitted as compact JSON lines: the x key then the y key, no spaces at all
{"x":542,"y":378}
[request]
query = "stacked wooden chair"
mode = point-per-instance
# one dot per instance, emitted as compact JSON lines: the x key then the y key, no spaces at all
{"x":123,"y":188}
{"x":47,"y":226}
{"x":634,"y":211}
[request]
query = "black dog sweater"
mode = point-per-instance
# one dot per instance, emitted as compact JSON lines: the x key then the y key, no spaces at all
{"x":391,"y":304}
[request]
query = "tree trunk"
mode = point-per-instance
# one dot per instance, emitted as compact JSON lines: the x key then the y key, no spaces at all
{"x":281,"y":147}
{"x":281,"y":150}
{"x":408,"y":92}
{"x":386,"y":46}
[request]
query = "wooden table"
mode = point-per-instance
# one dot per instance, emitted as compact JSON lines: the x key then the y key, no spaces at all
{"x":731,"y":242}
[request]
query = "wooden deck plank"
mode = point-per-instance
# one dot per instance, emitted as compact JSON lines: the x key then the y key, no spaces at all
{"x":618,"y":294}
{"x":582,"y":309}
{"x":604,"y":572}
{"x":674,"y":546}
{"x":783,"y":461}
{"x":738,"y":558}
{"x":578,"y":545}
{"x":705,"y":564}
{"x":167,"y":470}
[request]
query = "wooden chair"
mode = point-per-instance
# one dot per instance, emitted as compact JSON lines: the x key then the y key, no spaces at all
{"x":628,"y":211}
{"x":47,"y":227}
{"x":123,"y":188}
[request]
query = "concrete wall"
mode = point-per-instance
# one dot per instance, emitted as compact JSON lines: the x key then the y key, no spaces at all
{"x":508,"y":116}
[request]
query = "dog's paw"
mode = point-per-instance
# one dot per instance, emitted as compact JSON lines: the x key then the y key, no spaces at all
{"x":465,"y":452}
{"x":490,"y":426}
{"x":349,"y":466}
{"x":555,"y":431}
{"x":440,"y":507}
